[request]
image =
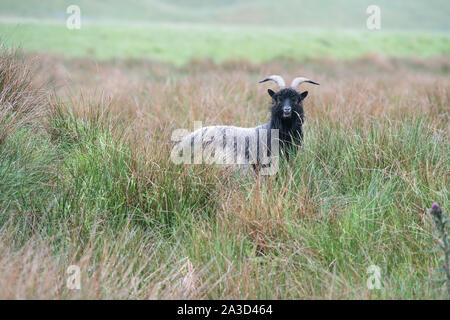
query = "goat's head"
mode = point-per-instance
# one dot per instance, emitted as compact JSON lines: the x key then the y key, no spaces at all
{"x":287,"y":103}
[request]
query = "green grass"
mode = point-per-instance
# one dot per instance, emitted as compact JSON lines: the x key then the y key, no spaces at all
{"x":180,"y":44}
{"x":77,"y":181}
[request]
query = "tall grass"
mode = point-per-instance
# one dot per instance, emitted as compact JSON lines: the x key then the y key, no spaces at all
{"x":20,"y":101}
{"x":92,"y":185}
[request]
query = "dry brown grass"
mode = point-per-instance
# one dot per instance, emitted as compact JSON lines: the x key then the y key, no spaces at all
{"x":155,"y":96}
{"x":21,"y":101}
{"x":33,"y":271}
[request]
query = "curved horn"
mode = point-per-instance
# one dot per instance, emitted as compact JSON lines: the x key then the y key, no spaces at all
{"x":297,"y":81}
{"x":278,"y":79}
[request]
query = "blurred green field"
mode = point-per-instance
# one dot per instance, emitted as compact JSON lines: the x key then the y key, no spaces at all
{"x":178,"y":44}
{"x":177,"y":31}
{"x":396,"y":14}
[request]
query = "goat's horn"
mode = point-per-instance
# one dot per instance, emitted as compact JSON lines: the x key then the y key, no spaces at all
{"x":278,"y":79}
{"x":297,"y":81}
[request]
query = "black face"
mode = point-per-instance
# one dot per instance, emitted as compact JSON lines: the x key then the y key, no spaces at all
{"x":287,"y":103}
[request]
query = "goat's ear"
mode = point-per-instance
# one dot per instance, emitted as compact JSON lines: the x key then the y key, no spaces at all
{"x":304,"y":94}
{"x":271,"y":92}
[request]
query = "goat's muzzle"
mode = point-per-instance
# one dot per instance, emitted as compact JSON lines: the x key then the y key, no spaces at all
{"x":287,"y":112}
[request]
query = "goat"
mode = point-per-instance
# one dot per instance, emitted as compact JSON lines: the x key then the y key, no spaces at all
{"x":243,"y":146}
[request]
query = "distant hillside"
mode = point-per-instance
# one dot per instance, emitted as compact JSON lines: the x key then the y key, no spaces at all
{"x":396,"y":14}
